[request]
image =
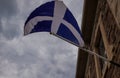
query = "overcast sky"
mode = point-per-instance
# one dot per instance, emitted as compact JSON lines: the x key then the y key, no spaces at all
{"x":38,"y":55}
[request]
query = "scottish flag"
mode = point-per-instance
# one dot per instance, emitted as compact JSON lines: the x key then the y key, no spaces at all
{"x":56,"y":18}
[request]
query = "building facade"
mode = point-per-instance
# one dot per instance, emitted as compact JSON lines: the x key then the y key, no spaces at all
{"x":101,"y":32}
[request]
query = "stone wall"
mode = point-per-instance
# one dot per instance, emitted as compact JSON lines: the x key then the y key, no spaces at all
{"x":90,"y":71}
{"x":115,"y":8}
{"x":110,"y":13}
{"x":110,"y":25}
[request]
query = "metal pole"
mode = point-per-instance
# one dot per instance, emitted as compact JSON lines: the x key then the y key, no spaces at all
{"x":93,"y":53}
{"x":86,"y":50}
{"x":99,"y":56}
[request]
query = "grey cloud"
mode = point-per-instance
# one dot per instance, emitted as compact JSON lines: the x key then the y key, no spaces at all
{"x":8,"y":8}
{"x":40,"y":59}
{"x":34,"y":55}
{"x":0,"y":25}
{"x":8,"y":26}
{"x":7,"y":69}
{"x":76,"y":7}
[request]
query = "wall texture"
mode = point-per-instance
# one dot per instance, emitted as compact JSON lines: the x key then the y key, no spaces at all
{"x":109,"y":13}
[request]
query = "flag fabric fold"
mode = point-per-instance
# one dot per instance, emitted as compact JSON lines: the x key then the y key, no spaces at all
{"x":56,"y":18}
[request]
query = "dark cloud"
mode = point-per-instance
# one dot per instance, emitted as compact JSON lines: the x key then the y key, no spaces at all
{"x":8,"y":8}
{"x":10,"y":29}
{"x":1,"y":27}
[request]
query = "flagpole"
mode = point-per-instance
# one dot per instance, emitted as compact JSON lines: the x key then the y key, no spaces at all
{"x":64,"y":39}
{"x":88,"y":51}
{"x":99,"y":56}
{"x":94,"y":53}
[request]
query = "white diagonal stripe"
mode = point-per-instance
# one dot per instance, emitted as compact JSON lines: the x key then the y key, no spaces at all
{"x":74,"y":31}
{"x":59,"y":12}
{"x":30,"y":25}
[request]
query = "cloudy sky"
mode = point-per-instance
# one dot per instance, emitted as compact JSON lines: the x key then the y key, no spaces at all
{"x":39,"y":55}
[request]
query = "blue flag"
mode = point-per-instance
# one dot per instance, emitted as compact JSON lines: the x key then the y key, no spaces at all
{"x":56,"y":18}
